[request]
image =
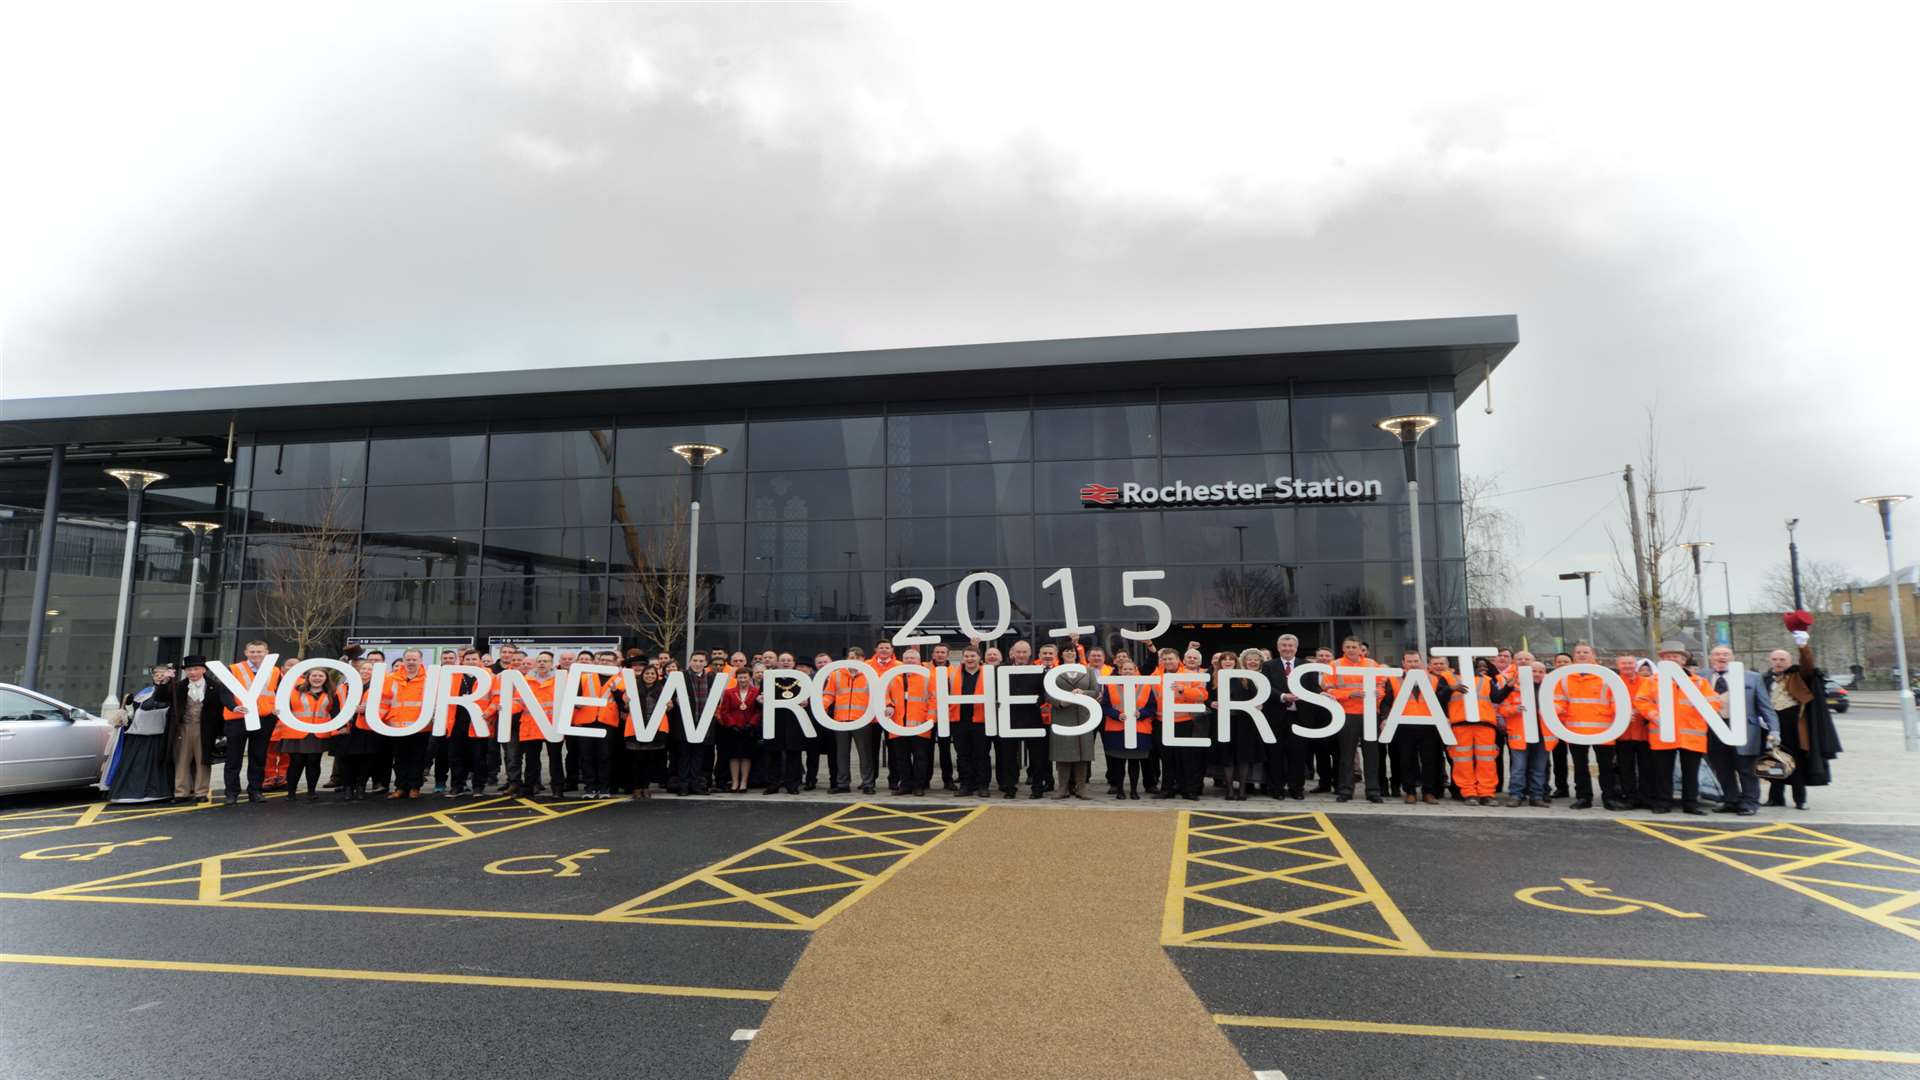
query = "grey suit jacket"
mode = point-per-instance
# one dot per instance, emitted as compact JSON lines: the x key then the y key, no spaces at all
{"x":1761,"y":719}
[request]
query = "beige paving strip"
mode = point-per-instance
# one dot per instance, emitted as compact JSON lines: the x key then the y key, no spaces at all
{"x":1049,"y":964}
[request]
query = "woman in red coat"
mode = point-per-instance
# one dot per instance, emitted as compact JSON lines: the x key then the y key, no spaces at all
{"x":738,"y":719}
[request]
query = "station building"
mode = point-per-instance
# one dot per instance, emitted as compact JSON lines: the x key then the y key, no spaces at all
{"x":544,"y":502}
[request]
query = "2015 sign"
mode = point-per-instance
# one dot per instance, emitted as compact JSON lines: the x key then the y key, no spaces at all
{"x":1003,"y":606}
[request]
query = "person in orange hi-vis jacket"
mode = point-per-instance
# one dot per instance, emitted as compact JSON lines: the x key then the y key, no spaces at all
{"x":1417,"y":748}
{"x":466,"y":748}
{"x":252,"y":745}
{"x":1689,"y":743}
{"x":404,"y":698}
{"x":909,"y":703}
{"x":313,"y":702}
{"x":1632,"y":757}
{"x":530,"y":743}
{"x":846,"y":695}
{"x":1475,"y":749}
{"x":1527,"y":768}
{"x":1348,"y":687}
{"x":1585,"y":704}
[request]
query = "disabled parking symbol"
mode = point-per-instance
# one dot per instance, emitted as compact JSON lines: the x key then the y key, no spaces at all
{"x":1583,"y":889}
{"x":558,"y":865}
{"x":86,"y":852}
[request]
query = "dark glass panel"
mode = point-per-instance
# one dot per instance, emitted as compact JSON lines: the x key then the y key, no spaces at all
{"x":456,"y":508}
{"x":939,"y":438}
{"x":973,"y":542}
{"x":1232,"y":535}
{"x":816,"y":495}
{"x":1105,"y":431}
{"x":829,"y":443}
{"x":960,"y":489}
{"x":545,"y":551}
{"x":532,"y":455}
{"x":309,"y":465}
{"x":653,"y":545}
{"x":788,"y":546}
{"x":1127,"y":539}
{"x":548,"y":503}
{"x":425,"y":555}
{"x":305,"y":509}
{"x":437,"y":459}
{"x":642,"y":500}
{"x":415,"y":602}
{"x":579,"y":601}
{"x":1225,"y":427}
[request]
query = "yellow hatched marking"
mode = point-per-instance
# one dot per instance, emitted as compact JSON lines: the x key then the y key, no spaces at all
{"x":26,"y":823}
{"x":691,"y":901}
{"x":1211,"y":840}
{"x":1723,"y":845}
{"x":328,"y":853}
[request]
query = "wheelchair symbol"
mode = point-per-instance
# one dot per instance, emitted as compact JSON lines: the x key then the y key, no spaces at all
{"x":1584,"y":887}
{"x":557,"y":865}
{"x":87,"y":852}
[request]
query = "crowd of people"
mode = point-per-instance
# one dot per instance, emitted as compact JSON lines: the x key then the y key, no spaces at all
{"x":174,"y":729}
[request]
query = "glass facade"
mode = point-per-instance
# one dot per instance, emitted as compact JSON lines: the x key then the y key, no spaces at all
{"x":805,"y":522}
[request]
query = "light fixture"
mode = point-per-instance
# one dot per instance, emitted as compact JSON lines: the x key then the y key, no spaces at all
{"x":698,"y":453}
{"x":137,"y":479}
{"x":1877,"y":500}
{"x":1407,"y":428}
{"x":53,"y":611}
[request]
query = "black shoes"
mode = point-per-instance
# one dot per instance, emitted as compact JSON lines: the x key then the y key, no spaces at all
{"x":1582,"y":804}
{"x":1694,"y":810}
{"x":1341,"y":798}
{"x":1375,"y":799}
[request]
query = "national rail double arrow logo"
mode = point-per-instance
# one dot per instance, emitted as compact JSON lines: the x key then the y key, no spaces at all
{"x":1099,"y":495}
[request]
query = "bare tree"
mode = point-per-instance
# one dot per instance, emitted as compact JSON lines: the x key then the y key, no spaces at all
{"x":1492,"y":534}
{"x":653,"y":592}
{"x":1819,"y":580}
{"x":1257,"y":592}
{"x":1669,"y":566}
{"x":312,"y":578}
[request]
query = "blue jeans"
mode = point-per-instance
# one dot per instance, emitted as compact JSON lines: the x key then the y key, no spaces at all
{"x":1527,"y":776}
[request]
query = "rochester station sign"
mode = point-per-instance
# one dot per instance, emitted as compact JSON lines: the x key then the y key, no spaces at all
{"x":1281,"y":489}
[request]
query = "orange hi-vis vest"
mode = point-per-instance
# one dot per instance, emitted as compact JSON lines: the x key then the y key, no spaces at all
{"x":489,"y":707}
{"x":1689,"y":726}
{"x":1416,"y":704}
{"x":1511,"y":710}
{"x":1485,"y":710}
{"x":1636,"y":727}
{"x":543,"y":690}
{"x":911,"y":695}
{"x":404,"y":697}
{"x":1348,"y":690}
{"x":591,"y":685}
{"x":1185,"y":693}
{"x":847,"y":694}
{"x":954,"y":686}
{"x":1585,"y":704}
{"x":266,"y":695}
{"x":1142,"y":698}
{"x":312,"y":708}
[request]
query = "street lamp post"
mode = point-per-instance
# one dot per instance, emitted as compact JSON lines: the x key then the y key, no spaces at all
{"x":1908,"y":720}
{"x":1793,"y":568}
{"x":137,"y":482}
{"x":1586,"y":583}
{"x":199,"y":529}
{"x":1695,"y":547}
{"x":1562,"y":601}
{"x":696,"y":456}
{"x":1408,"y":430}
{"x":1726,"y":582}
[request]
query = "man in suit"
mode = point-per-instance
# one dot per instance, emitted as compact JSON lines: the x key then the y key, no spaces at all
{"x":1733,"y":766}
{"x":1287,"y":754}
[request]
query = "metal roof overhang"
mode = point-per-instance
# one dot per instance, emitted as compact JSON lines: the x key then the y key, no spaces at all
{"x":1461,"y":349}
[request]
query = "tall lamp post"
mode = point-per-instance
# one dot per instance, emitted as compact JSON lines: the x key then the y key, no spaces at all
{"x":137,"y":482}
{"x":1726,"y":582}
{"x":1793,"y":569}
{"x":1562,"y":601}
{"x":696,"y":456}
{"x":1695,"y":547}
{"x":1908,"y":720}
{"x":1586,"y":583}
{"x":199,"y":529}
{"x":1408,"y":430}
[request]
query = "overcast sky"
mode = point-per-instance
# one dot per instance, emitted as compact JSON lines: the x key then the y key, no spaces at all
{"x":1710,"y":213}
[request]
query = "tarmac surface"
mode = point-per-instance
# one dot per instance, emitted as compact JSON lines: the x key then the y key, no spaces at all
{"x":463,"y":937}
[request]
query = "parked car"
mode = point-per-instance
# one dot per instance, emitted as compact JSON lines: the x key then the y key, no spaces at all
{"x":46,"y":743}
{"x":1836,"y":697}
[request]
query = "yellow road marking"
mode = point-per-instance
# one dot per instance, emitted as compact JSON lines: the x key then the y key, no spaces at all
{"x":1566,"y":1038}
{"x":1576,"y":961}
{"x":25,"y":823}
{"x":1623,"y":905}
{"x":86,"y":852}
{"x":367,"y":975}
{"x":212,"y":876}
{"x":719,"y":889}
{"x":1210,"y":840}
{"x":1722,"y":846}
{"x":561,"y":865}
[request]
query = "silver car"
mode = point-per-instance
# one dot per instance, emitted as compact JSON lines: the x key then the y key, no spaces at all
{"x":46,"y":743}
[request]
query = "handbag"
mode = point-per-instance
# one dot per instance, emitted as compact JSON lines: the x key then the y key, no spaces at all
{"x":1775,"y":764}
